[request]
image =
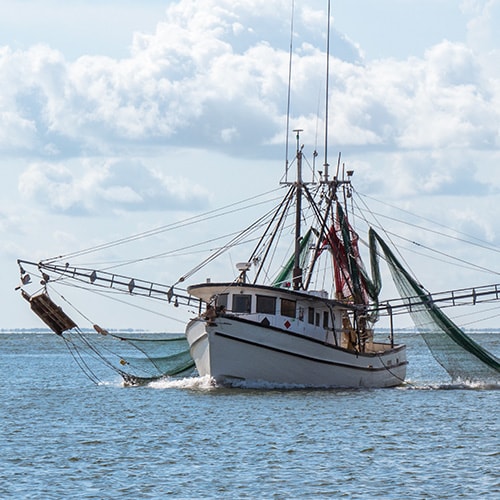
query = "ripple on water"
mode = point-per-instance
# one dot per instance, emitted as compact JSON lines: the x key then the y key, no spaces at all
{"x":63,"y":437}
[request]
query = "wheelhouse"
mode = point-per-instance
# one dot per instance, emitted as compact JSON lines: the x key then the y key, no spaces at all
{"x":309,"y":313}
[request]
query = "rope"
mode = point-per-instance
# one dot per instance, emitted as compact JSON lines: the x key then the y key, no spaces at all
{"x":235,"y":241}
{"x":482,"y":244}
{"x":460,"y":261}
{"x":402,"y":380}
{"x":381,"y":227}
{"x":153,"y":232}
{"x":75,"y":353}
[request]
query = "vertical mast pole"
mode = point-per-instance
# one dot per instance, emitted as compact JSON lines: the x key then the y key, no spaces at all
{"x":326,"y":165}
{"x":289,"y":92}
{"x":297,"y":270}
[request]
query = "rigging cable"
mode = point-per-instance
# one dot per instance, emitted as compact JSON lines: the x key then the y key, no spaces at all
{"x":236,"y":240}
{"x":471,"y":265}
{"x":109,"y":294}
{"x":381,"y":227}
{"x":283,"y":208}
{"x":482,"y":244}
{"x":174,"y":253}
{"x":153,"y":232}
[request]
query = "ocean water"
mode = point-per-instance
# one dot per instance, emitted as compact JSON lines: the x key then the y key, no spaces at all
{"x":64,"y":437}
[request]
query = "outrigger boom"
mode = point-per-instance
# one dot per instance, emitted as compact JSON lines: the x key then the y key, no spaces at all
{"x":104,"y":279}
{"x":180,"y":297}
{"x":450,"y":298}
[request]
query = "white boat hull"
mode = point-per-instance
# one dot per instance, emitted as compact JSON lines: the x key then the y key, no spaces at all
{"x":232,"y":349}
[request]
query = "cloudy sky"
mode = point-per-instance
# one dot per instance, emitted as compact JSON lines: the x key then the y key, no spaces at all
{"x":118,"y":116}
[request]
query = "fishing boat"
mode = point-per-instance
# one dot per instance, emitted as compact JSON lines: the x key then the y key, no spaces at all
{"x":300,"y":310}
{"x":285,"y":330}
{"x":289,"y":331}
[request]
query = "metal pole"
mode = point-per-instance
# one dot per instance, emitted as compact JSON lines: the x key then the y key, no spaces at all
{"x":297,"y":271}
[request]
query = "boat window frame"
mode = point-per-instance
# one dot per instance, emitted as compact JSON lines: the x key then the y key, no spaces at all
{"x":247,"y":297}
{"x":310,"y":315}
{"x":265,"y":310}
{"x":326,"y":321}
{"x":222,"y":300}
{"x":287,"y":310}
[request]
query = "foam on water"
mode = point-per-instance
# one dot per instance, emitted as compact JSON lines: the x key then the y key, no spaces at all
{"x":198,"y":383}
{"x":456,"y":385}
{"x":207,"y":383}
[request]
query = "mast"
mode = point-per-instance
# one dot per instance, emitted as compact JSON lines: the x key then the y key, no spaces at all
{"x":327,"y":97}
{"x":297,"y":276}
{"x":289,"y":92}
{"x":297,"y":270}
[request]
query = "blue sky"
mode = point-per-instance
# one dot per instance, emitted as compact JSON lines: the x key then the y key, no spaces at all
{"x":119,"y":116}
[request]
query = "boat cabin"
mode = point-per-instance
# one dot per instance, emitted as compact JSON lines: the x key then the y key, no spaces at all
{"x":309,"y":313}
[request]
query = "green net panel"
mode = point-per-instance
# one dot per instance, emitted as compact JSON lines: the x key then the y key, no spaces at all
{"x":286,"y":274}
{"x":139,"y":359}
{"x":463,"y":358}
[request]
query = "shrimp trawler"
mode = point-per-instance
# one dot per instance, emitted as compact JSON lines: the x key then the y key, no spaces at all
{"x":280,"y":328}
{"x":301,"y":309}
{"x":283,"y":331}
{"x":288,"y":331}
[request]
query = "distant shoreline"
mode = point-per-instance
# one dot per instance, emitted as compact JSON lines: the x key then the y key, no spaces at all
{"x":133,"y":330}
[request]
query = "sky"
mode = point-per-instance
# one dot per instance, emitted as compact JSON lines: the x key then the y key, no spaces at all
{"x":119,"y":116}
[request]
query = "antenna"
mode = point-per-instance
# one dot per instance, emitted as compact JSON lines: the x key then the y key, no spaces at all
{"x":327,"y":92}
{"x":289,"y":93}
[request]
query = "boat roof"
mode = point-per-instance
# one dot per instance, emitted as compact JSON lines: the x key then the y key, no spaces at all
{"x":206,"y":290}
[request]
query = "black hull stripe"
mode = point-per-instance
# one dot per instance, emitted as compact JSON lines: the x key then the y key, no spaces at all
{"x":308,"y":339}
{"x":309,"y":358}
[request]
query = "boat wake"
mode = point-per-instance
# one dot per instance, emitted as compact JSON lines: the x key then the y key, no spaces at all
{"x":195,"y":383}
{"x":452,"y":386}
{"x":207,"y":383}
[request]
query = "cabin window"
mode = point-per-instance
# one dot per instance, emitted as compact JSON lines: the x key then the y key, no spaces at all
{"x":222,"y":300}
{"x":288,"y":308}
{"x":317,"y":319}
{"x":266,"y":305}
{"x":310,"y":315}
{"x":242,"y":303}
{"x":325,"y":319}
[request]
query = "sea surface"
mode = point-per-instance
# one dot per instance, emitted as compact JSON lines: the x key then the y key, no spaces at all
{"x":64,"y":437}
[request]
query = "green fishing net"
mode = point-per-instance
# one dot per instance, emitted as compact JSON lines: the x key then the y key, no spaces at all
{"x":462,"y":357}
{"x":139,"y":359}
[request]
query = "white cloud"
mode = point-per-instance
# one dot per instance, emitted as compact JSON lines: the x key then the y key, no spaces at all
{"x":213,"y":75}
{"x":94,"y":187}
{"x":194,"y":114}
{"x":16,"y":133}
{"x":481,"y":27}
{"x":199,"y":80}
{"x":196,"y":68}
